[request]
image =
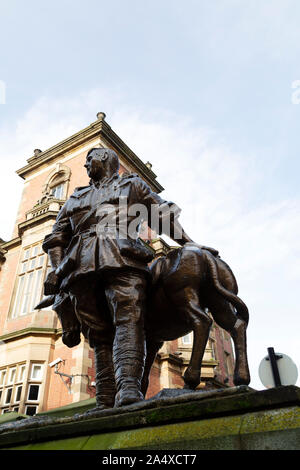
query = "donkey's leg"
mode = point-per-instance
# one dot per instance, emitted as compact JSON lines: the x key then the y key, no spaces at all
{"x":241,"y":371}
{"x":187,"y":300}
{"x":152,"y":348}
{"x":225,"y":316}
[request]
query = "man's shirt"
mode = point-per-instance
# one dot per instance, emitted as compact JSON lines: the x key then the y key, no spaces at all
{"x":98,"y":227}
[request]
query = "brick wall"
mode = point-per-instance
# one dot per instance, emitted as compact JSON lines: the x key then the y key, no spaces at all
{"x":57,"y":391}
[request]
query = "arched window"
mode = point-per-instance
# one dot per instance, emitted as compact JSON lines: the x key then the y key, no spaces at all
{"x":58,"y":182}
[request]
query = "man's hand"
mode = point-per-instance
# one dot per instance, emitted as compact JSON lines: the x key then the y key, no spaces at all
{"x":51,"y":285}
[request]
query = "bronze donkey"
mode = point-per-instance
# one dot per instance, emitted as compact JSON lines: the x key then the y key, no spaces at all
{"x":186,"y":283}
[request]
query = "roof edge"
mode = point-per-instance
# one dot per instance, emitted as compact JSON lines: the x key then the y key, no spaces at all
{"x":97,"y":128}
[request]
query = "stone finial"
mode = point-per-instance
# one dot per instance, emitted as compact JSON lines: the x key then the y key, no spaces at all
{"x":101,"y":116}
{"x":37,"y":152}
{"x":149,"y":165}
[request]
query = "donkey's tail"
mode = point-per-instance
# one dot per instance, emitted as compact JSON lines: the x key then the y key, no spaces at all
{"x":240,"y":306}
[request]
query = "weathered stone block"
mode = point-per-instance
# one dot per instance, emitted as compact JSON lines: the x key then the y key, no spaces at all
{"x":230,"y":419}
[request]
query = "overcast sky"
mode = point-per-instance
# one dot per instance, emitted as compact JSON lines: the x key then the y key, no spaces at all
{"x":206,"y":90}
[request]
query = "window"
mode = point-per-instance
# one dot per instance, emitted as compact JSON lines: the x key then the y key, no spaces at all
{"x":30,"y":410}
{"x":58,"y":191}
{"x":8,"y":396}
{"x":35,"y":250}
{"x":2,"y":377}
{"x":34,"y":388}
{"x":30,"y":281}
{"x":36,"y":372}
{"x":187,"y":339}
{"x":11,"y":375}
{"x":18,"y":393}
{"x":41,"y":260}
{"x":33,"y":392}
{"x":21,"y":391}
{"x":57,"y":182}
{"x":21,"y":373}
{"x":24,"y":267}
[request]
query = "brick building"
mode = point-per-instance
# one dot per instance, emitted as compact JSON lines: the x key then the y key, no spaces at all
{"x":30,"y":339}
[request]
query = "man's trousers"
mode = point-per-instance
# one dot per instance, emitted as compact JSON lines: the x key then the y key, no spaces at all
{"x":111,"y":311}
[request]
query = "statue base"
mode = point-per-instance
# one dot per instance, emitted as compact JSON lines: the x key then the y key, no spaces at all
{"x":237,"y":418}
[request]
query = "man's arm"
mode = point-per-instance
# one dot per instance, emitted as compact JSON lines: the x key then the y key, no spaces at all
{"x":54,"y":245}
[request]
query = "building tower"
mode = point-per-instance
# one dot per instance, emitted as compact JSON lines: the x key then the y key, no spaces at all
{"x":30,"y":340}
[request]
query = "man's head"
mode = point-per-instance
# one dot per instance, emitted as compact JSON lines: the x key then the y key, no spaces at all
{"x":101,"y":162}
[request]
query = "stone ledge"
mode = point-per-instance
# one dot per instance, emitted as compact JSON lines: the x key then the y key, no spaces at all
{"x":30,"y":331}
{"x":236,"y":418}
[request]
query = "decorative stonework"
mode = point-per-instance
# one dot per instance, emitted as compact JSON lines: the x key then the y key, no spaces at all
{"x":101,"y":116}
{"x":2,"y":253}
{"x":39,"y":214}
{"x":48,"y":204}
{"x":61,"y":174}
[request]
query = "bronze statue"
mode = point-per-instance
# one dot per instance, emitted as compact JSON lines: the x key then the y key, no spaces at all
{"x":101,"y":283}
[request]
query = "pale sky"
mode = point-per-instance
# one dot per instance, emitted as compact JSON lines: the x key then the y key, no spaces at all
{"x":204,"y":91}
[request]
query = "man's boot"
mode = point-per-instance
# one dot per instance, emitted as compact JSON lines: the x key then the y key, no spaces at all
{"x":129,"y":366}
{"x":125,"y":293}
{"x":105,"y":379}
{"x":128,"y":379}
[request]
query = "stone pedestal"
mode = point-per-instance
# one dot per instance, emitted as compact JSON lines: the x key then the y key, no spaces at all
{"x":229,"y":419}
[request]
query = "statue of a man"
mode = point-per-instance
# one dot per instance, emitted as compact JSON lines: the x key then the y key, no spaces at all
{"x":105,"y":274}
